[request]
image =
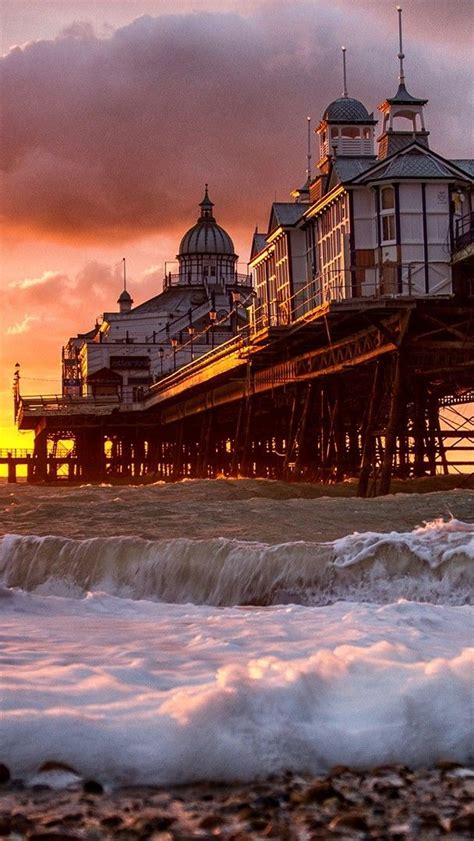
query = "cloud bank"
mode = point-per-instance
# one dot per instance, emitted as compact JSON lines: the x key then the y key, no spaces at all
{"x":113,"y":138}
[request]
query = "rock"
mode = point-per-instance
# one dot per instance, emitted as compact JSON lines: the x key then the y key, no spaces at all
{"x":462,"y":822}
{"x":112,"y":821}
{"x":211,"y":821}
{"x":5,"y":825}
{"x":53,"y":836}
{"x":92,"y":787}
{"x":52,"y":765}
{"x":321,"y":791}
{"x":4,"y":774}
{"x":351,"y":820}
{"x":266,"y":801}
{"x":338,"y":770}
{"x":447,"y":765}
{"x":154,"y":823}
{"x":261,"y":825}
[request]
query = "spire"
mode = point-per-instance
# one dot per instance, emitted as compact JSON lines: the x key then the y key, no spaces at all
{"x":401,"y":55}
{"x":344,"y":75}
{"x":402,"y":106}
{"x":206,"y":205}
{"x":125,"y":300}
{"x":308,"y":155}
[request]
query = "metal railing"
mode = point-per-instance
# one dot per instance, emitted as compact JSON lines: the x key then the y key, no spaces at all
{"x":16,"y":453}
{"x":464,"y":231}
{"x":195,"y":279}
{"x":348,"y":286}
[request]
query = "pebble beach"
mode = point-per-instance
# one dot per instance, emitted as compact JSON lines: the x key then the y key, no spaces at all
{"x":390,"y":802}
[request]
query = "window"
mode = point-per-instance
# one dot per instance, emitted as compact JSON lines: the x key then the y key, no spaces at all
{"x":387,"y":196}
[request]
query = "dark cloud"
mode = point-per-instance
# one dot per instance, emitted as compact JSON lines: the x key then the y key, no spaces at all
{"x":113,"y":138}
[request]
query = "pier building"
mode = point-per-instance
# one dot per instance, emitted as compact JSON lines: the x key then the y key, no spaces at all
{"x":130,"y":349}
{"x":360,"y":333}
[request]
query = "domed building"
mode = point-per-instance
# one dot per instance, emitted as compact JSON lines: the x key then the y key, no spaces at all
{"x":201,"y":305}
{"x":206,"y":252}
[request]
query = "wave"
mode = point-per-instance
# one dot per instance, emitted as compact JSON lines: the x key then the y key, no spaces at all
{"x":431,"y":563}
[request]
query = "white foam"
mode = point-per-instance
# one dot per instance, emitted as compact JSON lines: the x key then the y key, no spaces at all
{"x":142,"y":692}
{"x":432,"y":563}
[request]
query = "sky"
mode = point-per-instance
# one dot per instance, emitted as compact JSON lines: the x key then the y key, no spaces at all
{"x":115,"y":114}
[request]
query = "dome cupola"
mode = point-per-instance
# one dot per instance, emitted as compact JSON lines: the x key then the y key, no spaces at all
{"x":206,"y":236}
{"x":346,"y":129}
{"x":206,"y":252}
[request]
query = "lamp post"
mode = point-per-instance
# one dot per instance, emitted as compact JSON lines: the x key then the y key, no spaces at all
{"x":191,"y":334}
{"x":161,"y":351}
{"x":212,"y":319}
{"x":174,"y":345}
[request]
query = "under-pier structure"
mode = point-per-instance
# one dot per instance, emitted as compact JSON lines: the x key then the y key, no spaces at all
{"x":350,"y":388}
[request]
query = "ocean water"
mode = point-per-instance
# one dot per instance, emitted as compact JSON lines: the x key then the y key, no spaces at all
{"x":227,"y":630}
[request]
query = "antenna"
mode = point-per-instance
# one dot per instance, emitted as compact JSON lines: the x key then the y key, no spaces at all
{"x":124,"y":275}
{"x":308,"y":155}
{"x":344,"y":75}
{"x":401,"y":55}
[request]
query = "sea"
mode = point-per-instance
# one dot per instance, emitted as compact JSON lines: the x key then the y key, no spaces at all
{"x":227,"y":630}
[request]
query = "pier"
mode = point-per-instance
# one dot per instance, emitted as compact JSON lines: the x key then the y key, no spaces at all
{"x":347,"y":389}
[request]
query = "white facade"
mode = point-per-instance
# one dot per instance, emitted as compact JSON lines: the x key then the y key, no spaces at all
{"x":373,"y":226}
{"x":200,"y":307}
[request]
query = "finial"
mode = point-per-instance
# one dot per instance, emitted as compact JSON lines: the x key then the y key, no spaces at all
{"x":124,"y":275}
{"x":308,"y":155}
{"x":206,"y":186}
{"x":401,"y":56}
{"x":344,"y":75}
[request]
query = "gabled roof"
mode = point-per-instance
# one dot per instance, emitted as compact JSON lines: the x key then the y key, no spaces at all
{"x":345,"y":169}
{"x":105,"y":376}
{"x":284,"y":214}
{"x":413,"y":161}
{"x":466,"y":164}
{"x":258,"y":244}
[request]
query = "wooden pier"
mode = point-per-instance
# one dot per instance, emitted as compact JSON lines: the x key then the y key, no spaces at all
{"x":353,"y":388}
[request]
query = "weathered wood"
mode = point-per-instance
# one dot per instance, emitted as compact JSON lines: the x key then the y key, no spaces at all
{"x":368,"y":442}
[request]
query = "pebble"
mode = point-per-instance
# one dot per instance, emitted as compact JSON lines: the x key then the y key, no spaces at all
{"x":4,"y":774}
{"x":430,"y":805}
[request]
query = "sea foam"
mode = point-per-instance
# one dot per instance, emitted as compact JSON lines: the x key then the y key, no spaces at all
{"x":431,"y":563}
{"x":143,"y":692}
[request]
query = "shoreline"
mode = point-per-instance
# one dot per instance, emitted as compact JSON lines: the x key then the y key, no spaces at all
{"x":390,"y":802}
{"x":310,"y":490}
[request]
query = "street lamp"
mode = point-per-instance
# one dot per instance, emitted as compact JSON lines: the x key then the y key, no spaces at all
{"x":191,"y":334}
{"x":212,"y":319}
{"x":174,"y":345}
{"x":161,"y":351}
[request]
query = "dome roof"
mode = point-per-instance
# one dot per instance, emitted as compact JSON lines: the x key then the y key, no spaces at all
{"x":346,"y":110}
{"x":206,"y":236}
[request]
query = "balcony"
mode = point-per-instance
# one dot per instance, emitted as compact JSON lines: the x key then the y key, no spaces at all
{"x":208,"y":281}
{"x":463,"y":237}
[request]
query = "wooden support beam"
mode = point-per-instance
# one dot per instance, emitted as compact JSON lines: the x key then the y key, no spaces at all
{"x":368,"y":442}
{"x":392,"y":427}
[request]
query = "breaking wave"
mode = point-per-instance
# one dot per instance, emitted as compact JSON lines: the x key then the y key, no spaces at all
{"x":431,"y":563}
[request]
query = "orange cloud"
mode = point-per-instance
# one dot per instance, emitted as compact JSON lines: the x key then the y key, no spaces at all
{"x":112,"y":138}
{"x":21,"y":326}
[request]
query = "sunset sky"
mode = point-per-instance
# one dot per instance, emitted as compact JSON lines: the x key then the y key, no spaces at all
{"x":116,"y":113}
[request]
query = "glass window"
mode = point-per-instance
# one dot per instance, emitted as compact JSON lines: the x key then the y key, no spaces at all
{"x":388,"y":228}
{"x":388,"y":198}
